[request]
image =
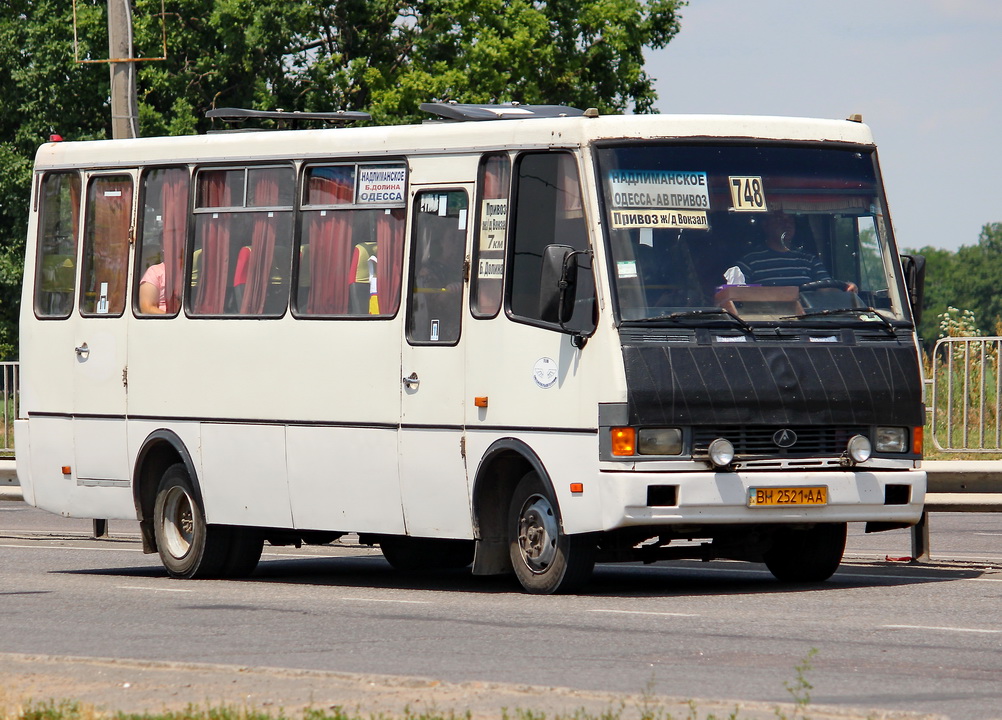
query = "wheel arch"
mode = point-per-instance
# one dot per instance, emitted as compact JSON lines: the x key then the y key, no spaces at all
{"x":161,"y":449}
{"x":504,"y":463}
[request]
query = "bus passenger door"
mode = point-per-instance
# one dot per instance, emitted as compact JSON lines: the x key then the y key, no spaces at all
{"x":100,"y":375}
{"x":432,"y":464}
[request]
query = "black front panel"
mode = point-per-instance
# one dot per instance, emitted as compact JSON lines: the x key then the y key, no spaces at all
{"x":773,"y":385}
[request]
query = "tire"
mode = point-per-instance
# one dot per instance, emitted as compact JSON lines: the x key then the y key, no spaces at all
{"x":245,"y":546}
{"x":544,"y":559}
{"x":806,"y":555}
{"x":188,"y":547}
{"x":419,"y":555}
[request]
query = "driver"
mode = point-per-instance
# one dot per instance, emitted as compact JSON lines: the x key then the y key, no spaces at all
{"x":778,"y":264}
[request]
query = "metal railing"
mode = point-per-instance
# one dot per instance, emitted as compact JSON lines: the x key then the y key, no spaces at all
{"x":966,"y":390}
{"x":10,"y":399}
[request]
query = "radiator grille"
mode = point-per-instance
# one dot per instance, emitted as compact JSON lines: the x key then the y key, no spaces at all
{"x":761,"y":442}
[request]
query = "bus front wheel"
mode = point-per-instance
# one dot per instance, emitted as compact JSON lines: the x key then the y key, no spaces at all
{"x":188,"y":547}
{"x":806,"y":555}
{"x":545,"y":559}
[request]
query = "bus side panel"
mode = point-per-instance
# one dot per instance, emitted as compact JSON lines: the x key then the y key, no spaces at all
{"x":567,"y":458}
{"x":434,"y":484}
{"x":22,"y":459}
{"x":51,"y":449}
{"x":244,"y":479}
{"x":344,"y":479}
{"x":101,"y":449}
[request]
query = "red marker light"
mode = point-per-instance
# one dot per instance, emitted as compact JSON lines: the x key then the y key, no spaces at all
{"x":55,"y":138}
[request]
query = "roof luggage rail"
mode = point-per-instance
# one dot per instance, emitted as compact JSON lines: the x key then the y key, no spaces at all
{"x":460,"y":112}
{"x":285,"y":119}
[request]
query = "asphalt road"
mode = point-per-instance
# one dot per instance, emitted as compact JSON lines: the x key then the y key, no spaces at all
{"x":887,"y":634}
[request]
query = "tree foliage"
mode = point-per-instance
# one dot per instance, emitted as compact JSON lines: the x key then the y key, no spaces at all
{"x":969,"y":279}
{"x":381,"y":56}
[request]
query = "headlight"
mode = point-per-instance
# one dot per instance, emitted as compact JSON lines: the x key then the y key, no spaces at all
{"x":721,"y":452}
{"x":659,"y":441}
{"x":892,"y":440}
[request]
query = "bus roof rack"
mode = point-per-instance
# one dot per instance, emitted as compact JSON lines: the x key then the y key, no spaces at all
{"x":459,"y":112}
{"x":292,"y":119}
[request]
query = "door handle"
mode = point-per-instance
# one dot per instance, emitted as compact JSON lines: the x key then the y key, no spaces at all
{"x":411,"y":381}
{"x":82,"y":350}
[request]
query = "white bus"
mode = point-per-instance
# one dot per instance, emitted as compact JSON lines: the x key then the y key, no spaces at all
{"x":526,"y":338}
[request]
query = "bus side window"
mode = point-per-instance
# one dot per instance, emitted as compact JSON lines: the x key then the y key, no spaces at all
{"x":163,"y":227}
{"x":436,"y":274}
{"x":491,"y":232}
{"x":350,"y":255}
{"x":242,"y":254}
{"x":56,"y":256}
{"x":105,"y":263}
{"x":548,"y":211}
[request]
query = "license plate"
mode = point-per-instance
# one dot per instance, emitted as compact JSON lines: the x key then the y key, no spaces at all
{"x":769,"y":497}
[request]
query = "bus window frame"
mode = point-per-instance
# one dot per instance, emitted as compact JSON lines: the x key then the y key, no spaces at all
{"x":304,"y":210}
{"x":512,"y":235}
{"x":40,"y":207}
{"x":144,"y":172}
{"x":409,"y":259}
{"x":195,"y":211}
{"x":90,"y":176}
{"x":475,"y":250}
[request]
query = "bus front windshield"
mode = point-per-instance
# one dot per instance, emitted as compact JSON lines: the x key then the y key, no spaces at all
{"x":750,"y":234}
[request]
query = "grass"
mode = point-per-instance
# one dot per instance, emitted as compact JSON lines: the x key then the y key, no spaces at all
{"x":647,"y":708}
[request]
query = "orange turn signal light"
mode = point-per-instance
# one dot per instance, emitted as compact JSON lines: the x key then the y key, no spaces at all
{"x":624,"y":441}
{"x":917,"y":440}
{"x":67,"y":469}
{"x":577,"y":488}
{"x":480,"y":401}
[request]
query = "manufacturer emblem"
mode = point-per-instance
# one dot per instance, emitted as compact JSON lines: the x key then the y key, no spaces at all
{"x":544,"y":372}
{"x":784,"y":438}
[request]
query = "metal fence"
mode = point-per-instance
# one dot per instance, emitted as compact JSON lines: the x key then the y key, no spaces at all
{"x":966,"y":389}
{"x":964,"y":394}
{"x":11,"y":401}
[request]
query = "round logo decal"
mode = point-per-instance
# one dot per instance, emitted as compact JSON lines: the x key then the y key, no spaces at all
{"x":544,"y":372}
{"x":784,"y":438}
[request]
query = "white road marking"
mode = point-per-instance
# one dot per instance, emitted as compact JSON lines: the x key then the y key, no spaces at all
{"x":386,"y":600}
{"x":153,"y":589}
{"x":942,"y":629}
{"x":70,"y":547}
{"x":643,"y":612}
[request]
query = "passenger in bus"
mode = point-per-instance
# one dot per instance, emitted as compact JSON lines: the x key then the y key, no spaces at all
{"x":779,"y":264}
{"x":360,"y":298}
{"x":153,"y":290}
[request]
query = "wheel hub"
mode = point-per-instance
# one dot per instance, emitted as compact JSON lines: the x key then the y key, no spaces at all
{"x":537,"y":533}
{"x":178,"y":524}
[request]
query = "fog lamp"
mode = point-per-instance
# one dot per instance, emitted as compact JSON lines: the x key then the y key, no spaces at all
{"x":659,"y":441}
{"x":859,"y":448}
{"x":892,"y":440}
{"x":721,"y":452}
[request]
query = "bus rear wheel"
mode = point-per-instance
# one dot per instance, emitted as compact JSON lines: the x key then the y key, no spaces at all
{"x":545,"y":559}
{"x":806,"y":555}
{"x":188,"y":547}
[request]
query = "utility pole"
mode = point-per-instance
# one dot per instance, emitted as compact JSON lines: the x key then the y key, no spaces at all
{"x":124,"y":105}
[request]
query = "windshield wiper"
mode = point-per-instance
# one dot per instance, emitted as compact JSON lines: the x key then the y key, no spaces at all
{"x":697,"y":313}
{"x":858,"y":311}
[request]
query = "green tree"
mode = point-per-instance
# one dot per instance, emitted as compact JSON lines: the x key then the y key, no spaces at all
{"x":969,"y":279}
{"x":381,"y":56}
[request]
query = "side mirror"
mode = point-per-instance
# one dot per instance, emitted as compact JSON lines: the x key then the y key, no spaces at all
{"x":558,"y":279}
{"x":913,"y":267}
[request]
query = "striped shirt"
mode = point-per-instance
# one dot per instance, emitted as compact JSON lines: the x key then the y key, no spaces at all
{"x":770,"y":267}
